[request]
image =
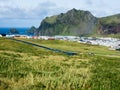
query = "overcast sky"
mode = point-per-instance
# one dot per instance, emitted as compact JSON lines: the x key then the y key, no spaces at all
{"x":27,"y":13}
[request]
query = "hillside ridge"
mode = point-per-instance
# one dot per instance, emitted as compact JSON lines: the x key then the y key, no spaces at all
{"x":79,"y":23}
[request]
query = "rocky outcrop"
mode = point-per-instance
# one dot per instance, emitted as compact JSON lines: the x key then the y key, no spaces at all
{"x":74,"y":22}
{"x":80,"y":23}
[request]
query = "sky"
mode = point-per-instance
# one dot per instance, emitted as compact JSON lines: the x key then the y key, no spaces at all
{"x":27,"y":13}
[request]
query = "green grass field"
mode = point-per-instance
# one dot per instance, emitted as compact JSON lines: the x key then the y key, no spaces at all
{"x":26,"y":67}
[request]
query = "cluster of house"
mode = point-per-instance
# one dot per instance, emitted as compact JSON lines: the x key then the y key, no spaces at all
{"x":67,"y":38}
{"x":113,"y":43}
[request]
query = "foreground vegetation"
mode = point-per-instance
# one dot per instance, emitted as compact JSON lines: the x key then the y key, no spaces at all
{"x":26,"y":67}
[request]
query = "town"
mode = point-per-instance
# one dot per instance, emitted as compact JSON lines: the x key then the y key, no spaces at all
{"x":112,"y":43}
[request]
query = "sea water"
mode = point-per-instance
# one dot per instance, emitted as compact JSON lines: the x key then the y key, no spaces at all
{"x":21,"y":31}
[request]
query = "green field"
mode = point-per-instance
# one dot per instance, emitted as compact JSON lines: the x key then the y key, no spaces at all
{"x":26,"y":67}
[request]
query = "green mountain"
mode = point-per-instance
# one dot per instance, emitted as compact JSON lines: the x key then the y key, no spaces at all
{"x":110,"y":24}
{"x":80,"y":23}
{"x":74,"y":22}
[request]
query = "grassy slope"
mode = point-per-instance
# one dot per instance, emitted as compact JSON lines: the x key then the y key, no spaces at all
{"x":51,"y":20}
{"x":110,"y":20}
{"x":73,"y":22}
{"x":25,"y":67}
{"x":114,"y":35}
{"x":74,"y":46}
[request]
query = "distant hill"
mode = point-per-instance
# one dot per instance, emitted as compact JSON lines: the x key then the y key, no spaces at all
{"x":80,"y":23}
{"x":110,"y":24}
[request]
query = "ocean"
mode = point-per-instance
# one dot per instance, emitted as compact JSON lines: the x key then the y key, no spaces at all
{"x":22,"y":31}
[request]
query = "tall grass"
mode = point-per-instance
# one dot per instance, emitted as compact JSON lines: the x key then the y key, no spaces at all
{"x":25,"y":67}
{"x":105,"y":73}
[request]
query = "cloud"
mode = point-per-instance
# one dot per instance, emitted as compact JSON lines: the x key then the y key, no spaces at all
{"x":88,"y":2}
{"x":40,"y":11}
{"x":19,"y":23}
{"x":10,"y":14}
{"x":44,"y":8}
{"x":47,"y":9}
{"x":29,"y":9}
{"x":35,"y":10}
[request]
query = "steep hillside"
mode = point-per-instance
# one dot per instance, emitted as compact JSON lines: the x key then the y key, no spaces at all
{"x":110,"y":24}
{"x":74,"y":22}
{"x":80,"y":23}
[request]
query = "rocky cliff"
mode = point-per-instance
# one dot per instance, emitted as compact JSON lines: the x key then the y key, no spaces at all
{"x":80,"y":23}
{"x":74,"y":22}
